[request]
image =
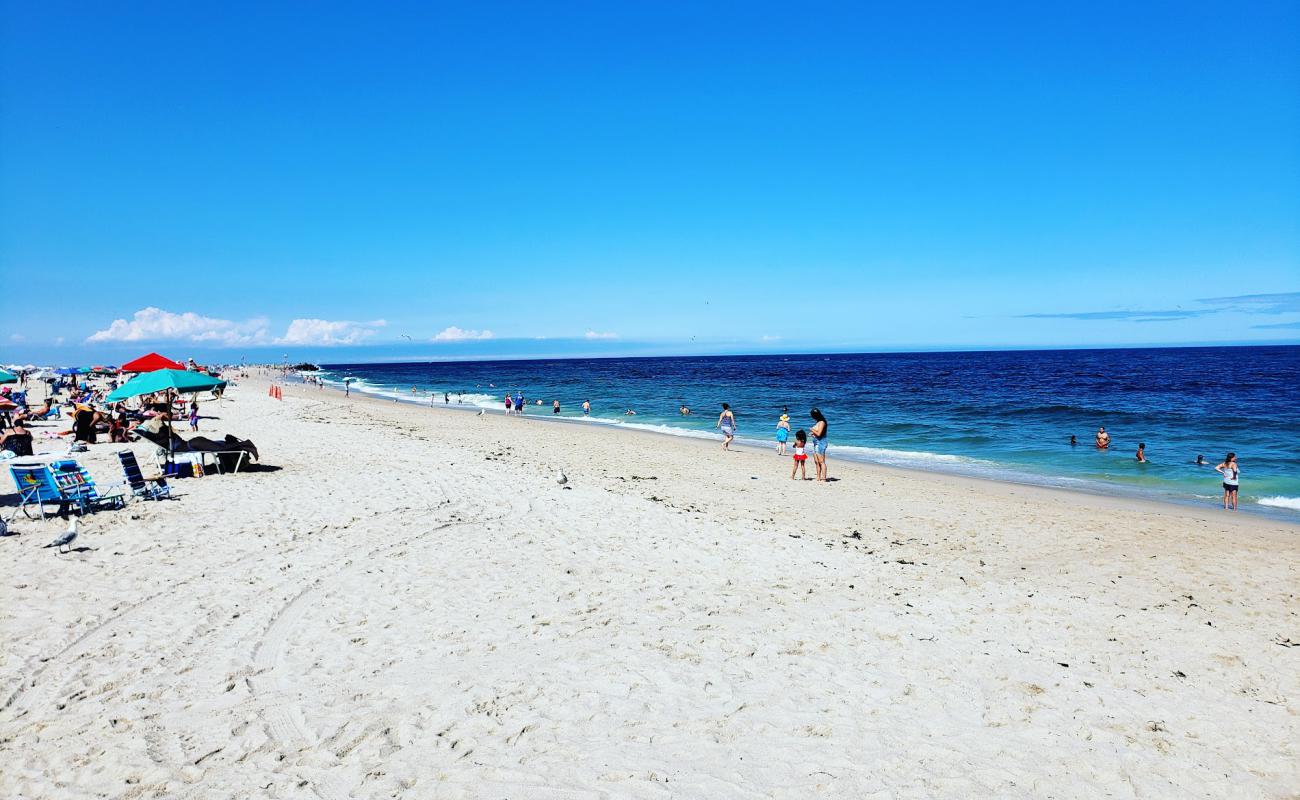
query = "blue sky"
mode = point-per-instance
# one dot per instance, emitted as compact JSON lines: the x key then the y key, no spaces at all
{"x":327,"y":180}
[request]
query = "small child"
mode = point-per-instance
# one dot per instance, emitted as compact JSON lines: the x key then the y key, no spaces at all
{"x":800,"y":457}
{"x":782,"y":433}
{"x":194,"y":415}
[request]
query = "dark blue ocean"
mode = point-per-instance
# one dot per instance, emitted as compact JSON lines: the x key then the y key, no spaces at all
{"x":1006,"y":414}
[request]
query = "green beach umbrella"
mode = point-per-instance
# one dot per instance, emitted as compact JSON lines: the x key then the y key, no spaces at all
{"x":163,"y":379}
{"x":7,"y":377}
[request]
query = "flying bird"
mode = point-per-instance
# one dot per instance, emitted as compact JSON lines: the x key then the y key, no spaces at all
{"x":405,"y":336}
{"x":66,"y":539}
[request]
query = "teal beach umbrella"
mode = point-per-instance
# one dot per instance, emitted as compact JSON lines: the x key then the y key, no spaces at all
{"x":7,"y":377}
{"x":163,"y":379}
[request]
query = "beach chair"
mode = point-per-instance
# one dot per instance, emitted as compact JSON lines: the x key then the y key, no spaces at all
{"x":64,"y":484}
{"x":36,"y":487}
{"x":74,"y":481}
{"x":145,"y":488}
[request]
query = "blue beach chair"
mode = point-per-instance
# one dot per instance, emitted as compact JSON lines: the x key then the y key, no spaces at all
{"x":36,"y":487}
{"x":145,"y":488}
{"x":64,"y":484}
{"x":75,"y":481}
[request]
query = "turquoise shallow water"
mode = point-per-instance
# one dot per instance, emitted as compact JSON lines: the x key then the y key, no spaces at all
{"x":1006,"y":415}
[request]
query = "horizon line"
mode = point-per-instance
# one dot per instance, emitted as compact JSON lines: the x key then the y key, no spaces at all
{"x":769,"y":353}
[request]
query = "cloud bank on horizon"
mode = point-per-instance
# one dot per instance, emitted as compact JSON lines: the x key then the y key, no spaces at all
{"x":160,"y":326}
{"x":1273,"y":303}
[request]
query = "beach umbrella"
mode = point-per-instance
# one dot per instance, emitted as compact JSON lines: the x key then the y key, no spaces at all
{"x":7,"y":377}
{"x":162,"y":379}
{"x":150,"y":362}
{"x":68,"y":371}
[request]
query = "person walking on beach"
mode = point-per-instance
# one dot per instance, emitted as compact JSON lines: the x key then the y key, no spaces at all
{"x":194,"y":415}
{"x":509,"y":404}
{"x":800,"y":457}
{"x":820,"y":433}
{"x":1230,"y":472}
{"x":519,"y":403}
{"x":727,"y":422}
{"x":782,"y":433}
{"x":1103,"y":439}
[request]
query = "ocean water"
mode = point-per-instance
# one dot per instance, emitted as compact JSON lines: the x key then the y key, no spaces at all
{"x":1004,"y":415}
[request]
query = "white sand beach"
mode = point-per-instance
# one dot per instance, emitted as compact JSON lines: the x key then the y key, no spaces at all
{"x":404,"y":602}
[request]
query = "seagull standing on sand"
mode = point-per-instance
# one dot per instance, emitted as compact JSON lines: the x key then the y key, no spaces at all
{"x":561,"y":478}
{"x":67,"y":538}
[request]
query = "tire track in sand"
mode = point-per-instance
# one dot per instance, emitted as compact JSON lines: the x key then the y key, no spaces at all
{"x":41,"y":686}
{"x":286,"y":723}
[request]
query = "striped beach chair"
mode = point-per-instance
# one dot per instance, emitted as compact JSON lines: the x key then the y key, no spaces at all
{"x":75,"y":482}
{"x":142,"y":487}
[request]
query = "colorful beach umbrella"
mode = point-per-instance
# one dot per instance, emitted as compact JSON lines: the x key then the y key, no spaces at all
{"x":7,"y":377}
{"x":68,"y":371}
{"x":151,"y":362}
{"x":162,"y":379}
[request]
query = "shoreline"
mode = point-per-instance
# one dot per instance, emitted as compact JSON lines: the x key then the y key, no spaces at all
{"x":1122,"y":498}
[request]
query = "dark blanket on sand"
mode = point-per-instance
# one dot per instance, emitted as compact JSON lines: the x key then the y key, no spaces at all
{"x":199,"y":444}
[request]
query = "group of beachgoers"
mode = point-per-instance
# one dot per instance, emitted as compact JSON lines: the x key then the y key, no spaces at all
{"x":90,"y":418}
{"x":1229,"y":469}
{"x":818,"y":434}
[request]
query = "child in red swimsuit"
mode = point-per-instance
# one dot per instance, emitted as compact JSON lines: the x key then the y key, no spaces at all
{"x":800,"y":457}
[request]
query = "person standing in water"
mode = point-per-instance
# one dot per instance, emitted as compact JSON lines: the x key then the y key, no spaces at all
{"x":727,"y":422}
{"x":782,"y":433}
{"x":586,"y":408}
{"x":820,"y":439}
{"x":1103,"y":439}
{"x":555,"y":406}
{"x":1142,"y":453}
{"x":1231,"y":473}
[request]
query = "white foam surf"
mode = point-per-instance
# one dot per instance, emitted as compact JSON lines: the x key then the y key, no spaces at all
{"x":1280,"y":501}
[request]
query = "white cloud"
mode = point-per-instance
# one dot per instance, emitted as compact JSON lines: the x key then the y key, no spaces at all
{"x":17,"y":337}
{"x":329,"y":332}
{"x":767,"y":337}
{"x":155,"y":324}
{"x":454,"y":334}
{"x":590,"y":334}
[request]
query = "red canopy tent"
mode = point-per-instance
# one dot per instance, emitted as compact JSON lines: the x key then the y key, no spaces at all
{"x":149,"y":363}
